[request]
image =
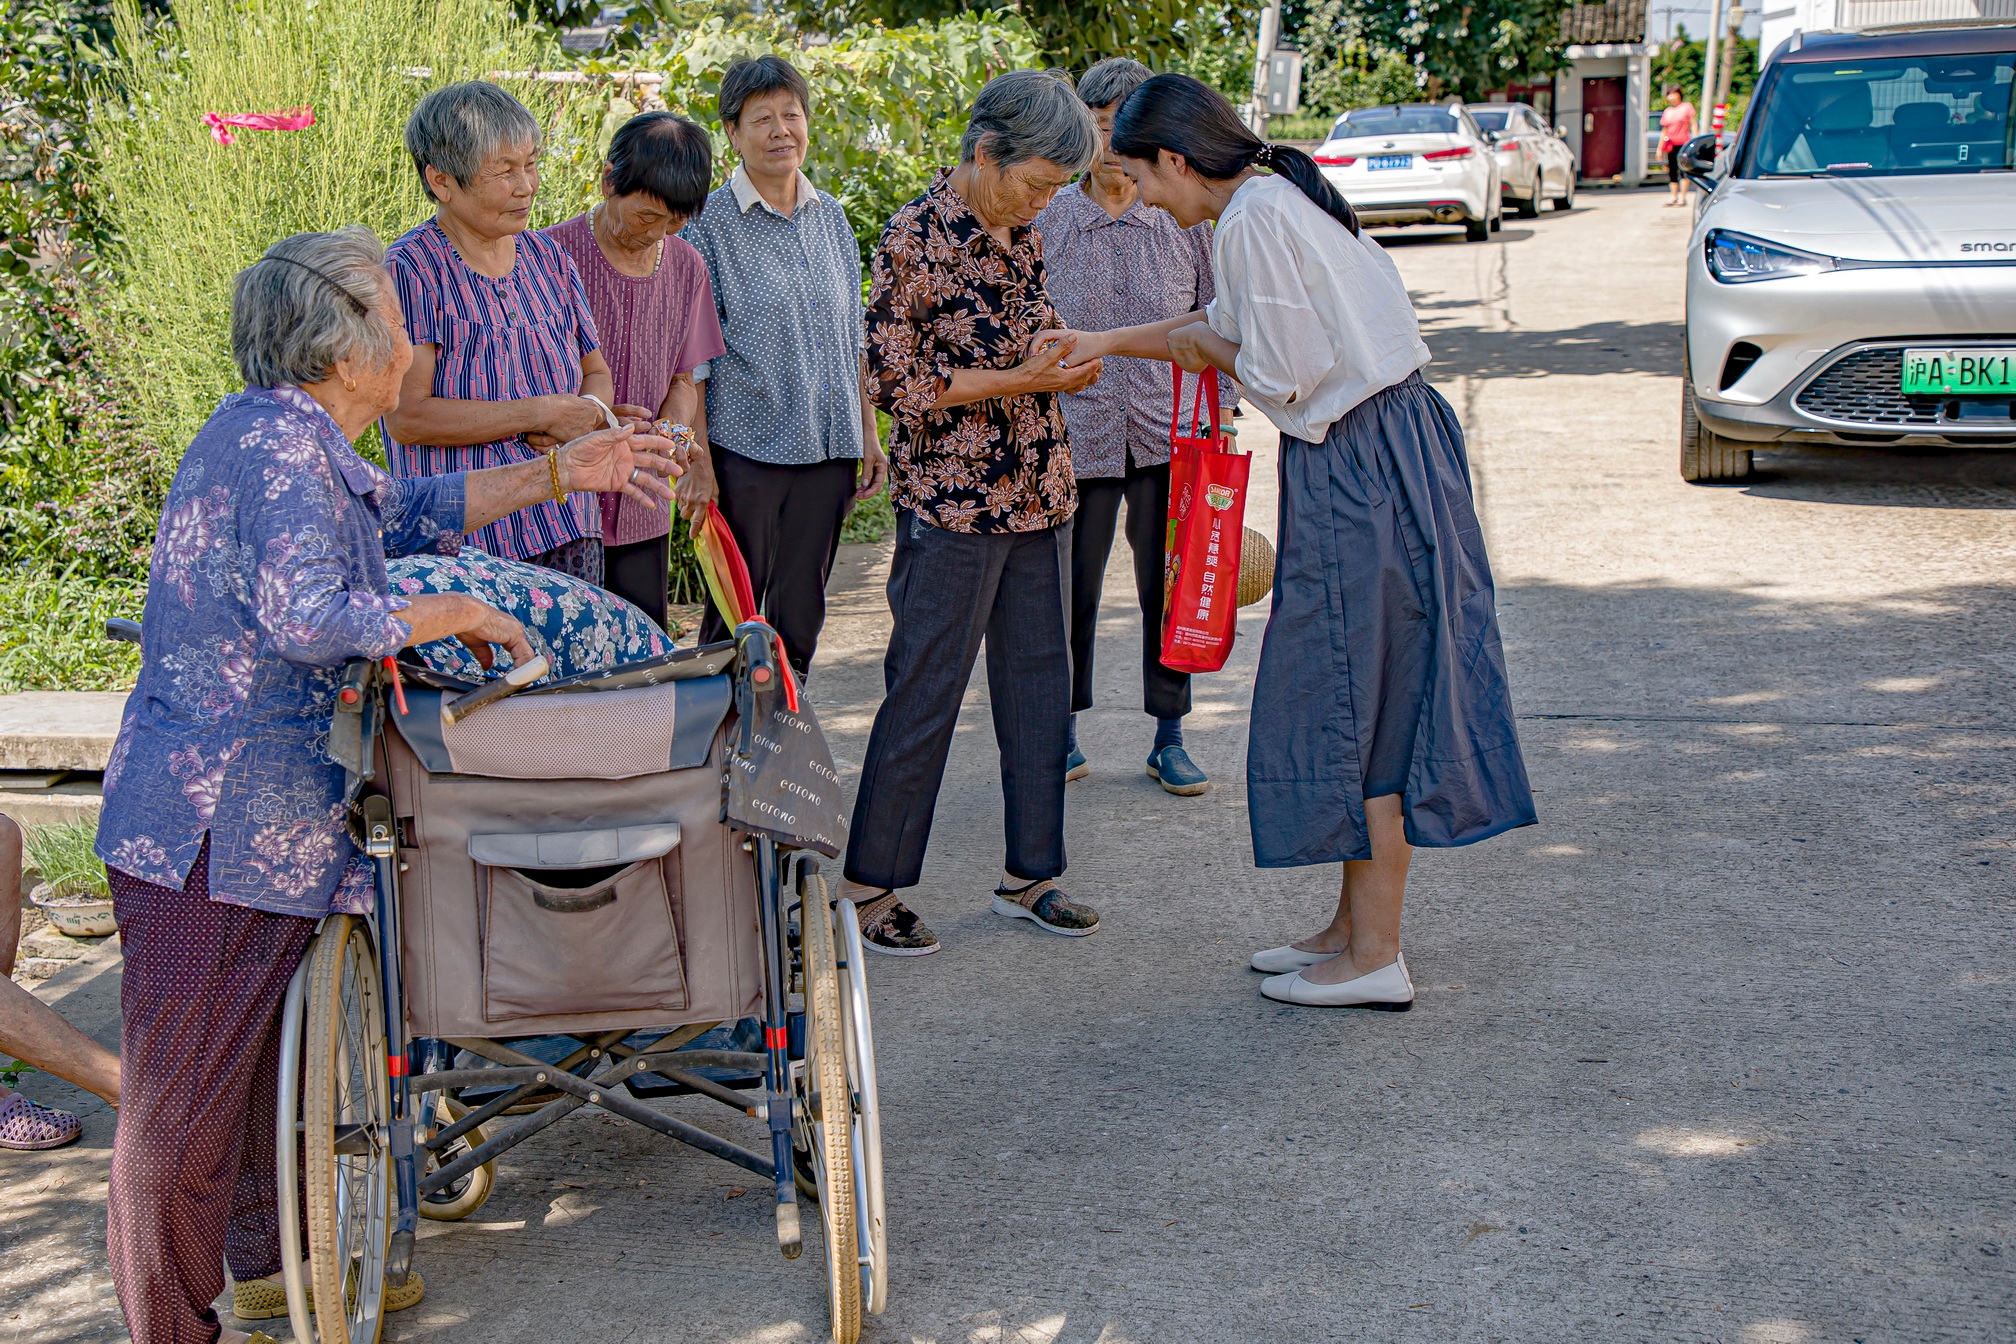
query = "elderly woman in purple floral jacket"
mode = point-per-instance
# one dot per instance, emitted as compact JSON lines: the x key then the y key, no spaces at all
{"x":223,"y":824}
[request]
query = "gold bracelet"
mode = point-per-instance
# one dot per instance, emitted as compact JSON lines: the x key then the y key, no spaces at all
{"x":553,"y":466}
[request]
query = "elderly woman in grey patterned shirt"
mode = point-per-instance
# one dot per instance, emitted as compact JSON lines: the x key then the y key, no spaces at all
{"x":792,"y":432}
{"x":1110,"y":262}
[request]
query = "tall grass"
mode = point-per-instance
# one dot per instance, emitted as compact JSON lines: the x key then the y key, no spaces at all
{"x":63,"y":854}
{"x":193,"y":213}
{"x":52,"y":633}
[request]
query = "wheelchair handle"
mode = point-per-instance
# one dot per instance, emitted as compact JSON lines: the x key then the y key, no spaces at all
{"x":462,"y":706}
{"x":121,"y":630}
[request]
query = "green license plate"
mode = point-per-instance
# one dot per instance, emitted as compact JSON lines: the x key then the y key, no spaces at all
{"x":1964,"y":372}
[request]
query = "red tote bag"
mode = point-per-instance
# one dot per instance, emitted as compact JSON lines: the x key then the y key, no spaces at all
{"x":1207,"y":518}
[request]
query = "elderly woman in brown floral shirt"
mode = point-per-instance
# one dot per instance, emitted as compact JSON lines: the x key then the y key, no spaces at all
{"x":981,"y":479}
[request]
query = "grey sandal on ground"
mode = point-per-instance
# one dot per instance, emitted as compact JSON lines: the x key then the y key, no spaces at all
{"x":1045,"y":904}
{"x":892,"y":928}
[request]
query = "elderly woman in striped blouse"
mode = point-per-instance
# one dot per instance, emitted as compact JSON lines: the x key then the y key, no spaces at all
{"x":506,"y":360}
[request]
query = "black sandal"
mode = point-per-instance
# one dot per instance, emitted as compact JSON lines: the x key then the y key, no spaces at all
{"x":892,"y":928}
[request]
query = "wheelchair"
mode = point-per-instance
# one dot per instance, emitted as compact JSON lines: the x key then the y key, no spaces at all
{"x":588,"y":893}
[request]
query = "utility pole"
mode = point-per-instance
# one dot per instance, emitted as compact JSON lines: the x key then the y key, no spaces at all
{"x":1669,"y":11}
{"x":1706,"y":108}
{"x":1729,"y":46}
{"x":1263,"y":54}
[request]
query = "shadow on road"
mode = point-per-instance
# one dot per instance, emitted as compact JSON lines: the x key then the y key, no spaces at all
{"x":1592,"y":349}
{"x":1930,"y":478}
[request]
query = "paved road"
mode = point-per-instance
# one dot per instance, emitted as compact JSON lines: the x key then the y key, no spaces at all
{"x":1719,"y":1052}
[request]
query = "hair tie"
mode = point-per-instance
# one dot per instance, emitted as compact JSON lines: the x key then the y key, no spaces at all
{"x":363,"y":309}
{"x":1265,"y":157}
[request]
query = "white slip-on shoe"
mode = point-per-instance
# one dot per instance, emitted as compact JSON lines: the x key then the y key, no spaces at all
{"x":1387,"y":989}
{"x":1276,"y":960}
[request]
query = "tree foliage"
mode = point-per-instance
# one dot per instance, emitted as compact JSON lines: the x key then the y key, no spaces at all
{"x":1071,"y":34}
{"x":1465,"y":48}
{"x":1344,"y":67}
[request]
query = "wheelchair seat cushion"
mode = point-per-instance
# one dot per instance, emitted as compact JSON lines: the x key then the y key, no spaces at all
{"x":579,"y":627}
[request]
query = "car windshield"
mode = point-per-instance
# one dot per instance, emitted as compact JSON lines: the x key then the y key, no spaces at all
{"x":1428,"y":120}
{"x":1491,"y":118}
{"x":1884,"y":117}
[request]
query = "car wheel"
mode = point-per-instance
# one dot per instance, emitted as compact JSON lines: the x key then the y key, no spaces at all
{"x":1498,"y":219}
{"x":1706,"y":458}
{"x":1527,"y":207}
{"x":1566,"y":200}
{"x":1476,"y":230}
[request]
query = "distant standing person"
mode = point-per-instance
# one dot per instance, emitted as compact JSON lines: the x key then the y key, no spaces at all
{"x":791,"y":427}
{"x":1381,"y":718}
{"x":1110,"y":261}
{"x":654,"y":309}
{"x":1676,"y":128}
{"x":505,"y":355}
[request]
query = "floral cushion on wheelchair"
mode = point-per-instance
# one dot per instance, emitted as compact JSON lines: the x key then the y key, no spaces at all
{"x":579,"y":627}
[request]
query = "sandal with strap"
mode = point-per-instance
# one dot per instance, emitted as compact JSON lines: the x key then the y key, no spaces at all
{"x":892,"y":928}
{"x":1044,"y":904}
{"x":27,"y":1126}
{"x":265,"y":1300}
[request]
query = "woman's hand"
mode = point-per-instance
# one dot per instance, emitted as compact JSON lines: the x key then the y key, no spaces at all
{"x":1072,"y":348}
{"x":621,"y":460}
{"x":697,"y":487}
{"x":565,"y":418}
{"x":435,"y":616}
{"x":1049,"y":367}
{"x":1197,"y":348}
{"x":874,"y":469}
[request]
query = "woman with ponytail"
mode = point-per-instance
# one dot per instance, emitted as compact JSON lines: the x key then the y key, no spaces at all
{"x":1381,"y":719}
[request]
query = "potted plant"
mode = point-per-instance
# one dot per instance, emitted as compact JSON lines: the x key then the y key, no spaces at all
{"x":74,"y":894}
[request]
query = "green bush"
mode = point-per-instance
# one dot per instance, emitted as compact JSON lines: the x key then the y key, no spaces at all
{"x":63,"y":854}
{"x":52,"y":633}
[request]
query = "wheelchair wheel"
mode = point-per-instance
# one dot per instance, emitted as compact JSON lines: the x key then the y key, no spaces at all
{"x":345,"y":1132}
{"x":461,"y":1198}
{"x":870,"y":1214}
{"x":826,"y":1108}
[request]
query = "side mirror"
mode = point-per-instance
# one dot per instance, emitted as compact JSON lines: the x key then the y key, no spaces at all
{"x":1697,"y":161}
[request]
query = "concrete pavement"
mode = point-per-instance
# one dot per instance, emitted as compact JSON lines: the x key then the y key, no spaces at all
{"x":1718,"y":1052}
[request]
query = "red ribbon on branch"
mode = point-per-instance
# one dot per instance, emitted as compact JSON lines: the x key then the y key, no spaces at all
{"x":293,"y":119}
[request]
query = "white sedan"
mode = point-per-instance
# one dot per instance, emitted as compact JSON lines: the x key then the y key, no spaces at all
{"x":1534,"y":164}
{"x":1415,"y":163}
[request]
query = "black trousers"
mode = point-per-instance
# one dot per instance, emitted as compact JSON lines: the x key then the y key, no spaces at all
{"x":639,"y":572}
{"x":948,"y":591}
{"x":787,"y":522}
{"x":1165,"y":693}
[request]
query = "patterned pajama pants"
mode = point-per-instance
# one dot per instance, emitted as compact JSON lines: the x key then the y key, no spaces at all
{"x":192,"y":1167}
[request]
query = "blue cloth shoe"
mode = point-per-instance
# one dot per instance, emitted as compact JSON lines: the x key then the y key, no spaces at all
{"x":1171,"y":766}
{"x":1075,"y":766}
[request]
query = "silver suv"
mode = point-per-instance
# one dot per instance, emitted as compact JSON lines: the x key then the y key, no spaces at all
{"x":1852,"y":277}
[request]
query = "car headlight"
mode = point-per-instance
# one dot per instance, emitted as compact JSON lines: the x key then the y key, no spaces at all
{"x":1737,"y":258}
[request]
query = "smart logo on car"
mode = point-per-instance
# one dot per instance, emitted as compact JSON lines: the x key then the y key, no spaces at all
{"x":1988,"y":247}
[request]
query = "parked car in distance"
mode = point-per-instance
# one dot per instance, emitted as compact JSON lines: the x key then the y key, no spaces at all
{"x":1534,"y":164}
{"x":1850,"y":276}
{"x":1415,"y":163}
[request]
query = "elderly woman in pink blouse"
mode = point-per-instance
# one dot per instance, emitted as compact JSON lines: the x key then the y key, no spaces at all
{"x":653,"y":304}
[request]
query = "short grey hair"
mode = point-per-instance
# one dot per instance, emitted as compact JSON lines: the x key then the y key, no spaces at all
{"x":1031,"y":114}
{"x":1108,"y":83}
{"x":456,"y":127}
{"x":311,"y":300}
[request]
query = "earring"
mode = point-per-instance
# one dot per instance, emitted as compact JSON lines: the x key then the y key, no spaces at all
{"x":349,"y":384}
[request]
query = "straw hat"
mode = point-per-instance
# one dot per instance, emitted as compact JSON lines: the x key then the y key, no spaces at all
{"x":1256,"y":568}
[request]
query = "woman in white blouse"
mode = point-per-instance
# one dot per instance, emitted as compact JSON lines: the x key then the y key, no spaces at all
{"x":1381,"y":719}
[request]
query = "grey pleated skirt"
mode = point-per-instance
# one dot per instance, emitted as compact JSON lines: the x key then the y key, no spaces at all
{"x":1382,"y":671}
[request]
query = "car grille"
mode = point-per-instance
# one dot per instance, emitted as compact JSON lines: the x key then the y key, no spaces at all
{"x":1863,"y":388}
